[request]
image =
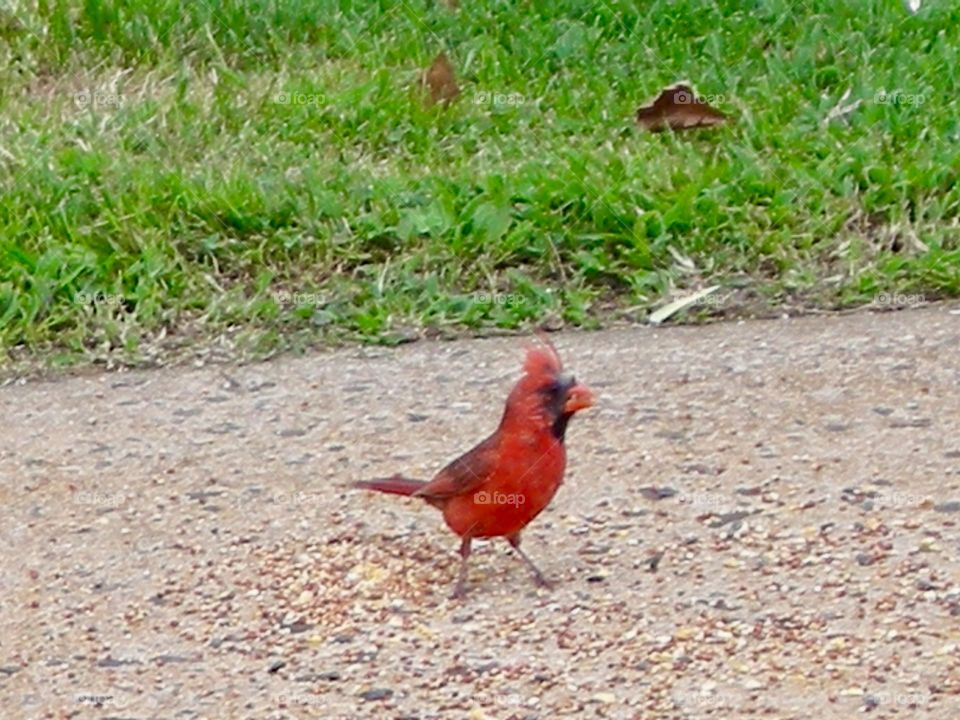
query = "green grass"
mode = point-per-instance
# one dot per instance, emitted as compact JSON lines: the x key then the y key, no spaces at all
{"x":171,"y":173}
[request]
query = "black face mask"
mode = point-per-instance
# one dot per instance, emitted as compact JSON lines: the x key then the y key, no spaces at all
{"x":555,"y":397}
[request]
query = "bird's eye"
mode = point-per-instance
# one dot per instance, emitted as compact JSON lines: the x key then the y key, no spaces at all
{"x":552,"y":389}
{"x":557,"y":389}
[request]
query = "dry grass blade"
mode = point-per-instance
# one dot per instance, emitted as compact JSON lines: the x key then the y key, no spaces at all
{"x":661,"y":314}
{"x":842,"y":109}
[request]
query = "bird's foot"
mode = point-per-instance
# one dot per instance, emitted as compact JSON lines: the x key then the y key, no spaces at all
{"x":542,"y":582}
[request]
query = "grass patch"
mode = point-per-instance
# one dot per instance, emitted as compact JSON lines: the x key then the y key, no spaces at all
{"x":266,"y":169}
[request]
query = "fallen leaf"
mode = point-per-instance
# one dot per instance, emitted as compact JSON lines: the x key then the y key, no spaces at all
{"x":440,"y":80}
{"x":678,"y":108}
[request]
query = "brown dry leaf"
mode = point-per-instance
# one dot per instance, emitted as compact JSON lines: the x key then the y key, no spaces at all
{"x":440,"y":80}
{"x":678,"y":108}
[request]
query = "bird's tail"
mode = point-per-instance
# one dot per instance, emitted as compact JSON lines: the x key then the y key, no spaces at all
{"x":395,"y":485}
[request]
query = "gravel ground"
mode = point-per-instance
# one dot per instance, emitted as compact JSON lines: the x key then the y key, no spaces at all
{"x":760,"y":519}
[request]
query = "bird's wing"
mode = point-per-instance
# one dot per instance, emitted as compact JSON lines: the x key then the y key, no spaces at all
{"x":465,"y":474}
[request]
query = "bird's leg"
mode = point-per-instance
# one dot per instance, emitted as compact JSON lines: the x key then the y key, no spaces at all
{"x":538,"y":577}
{"x":460,"y":591}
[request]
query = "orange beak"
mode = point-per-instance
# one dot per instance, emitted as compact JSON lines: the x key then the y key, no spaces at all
{"x":579,"y":397}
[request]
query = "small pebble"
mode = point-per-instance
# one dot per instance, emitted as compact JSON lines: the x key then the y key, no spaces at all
{"x":376,"y":694}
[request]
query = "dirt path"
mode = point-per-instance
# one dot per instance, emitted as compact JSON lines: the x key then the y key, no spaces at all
{"x":180,"y":544}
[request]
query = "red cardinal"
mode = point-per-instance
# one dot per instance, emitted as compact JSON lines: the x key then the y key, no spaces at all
{"x":503,"y":483}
